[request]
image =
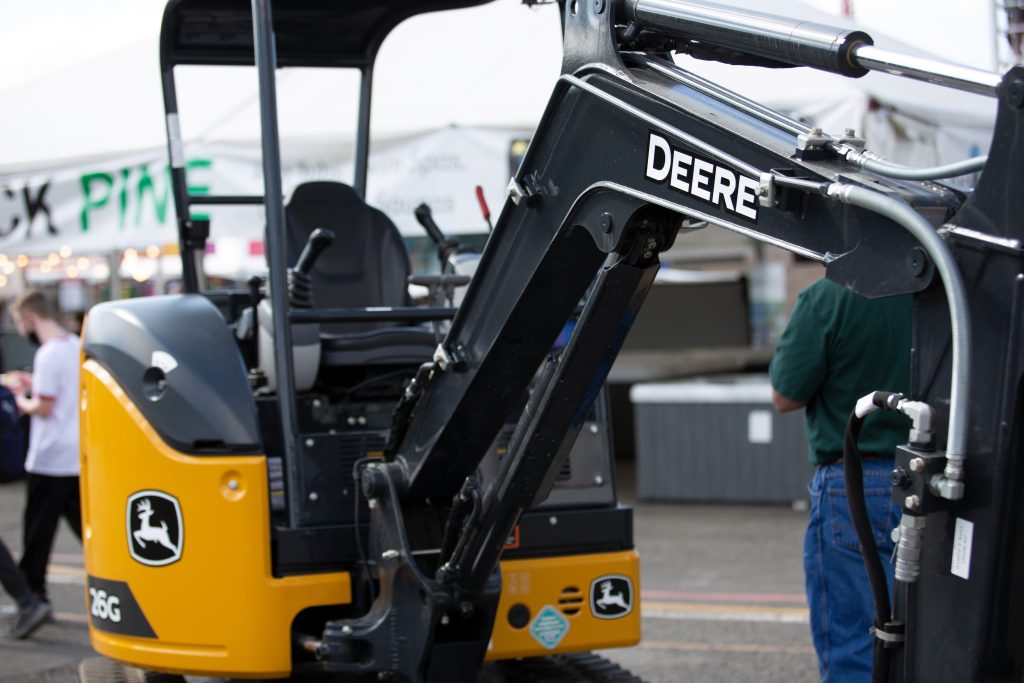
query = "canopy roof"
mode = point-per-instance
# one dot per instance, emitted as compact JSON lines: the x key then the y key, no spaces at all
{"x":307,"y":32}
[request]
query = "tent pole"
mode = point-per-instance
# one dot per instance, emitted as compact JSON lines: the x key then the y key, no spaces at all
{"x":115,"y":275}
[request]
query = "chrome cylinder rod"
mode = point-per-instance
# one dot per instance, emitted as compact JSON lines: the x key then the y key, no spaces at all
{"x":800,"y":43}
{"x":930,"y":70}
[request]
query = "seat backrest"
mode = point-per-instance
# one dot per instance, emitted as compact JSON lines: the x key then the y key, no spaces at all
{"x":367,"y":265}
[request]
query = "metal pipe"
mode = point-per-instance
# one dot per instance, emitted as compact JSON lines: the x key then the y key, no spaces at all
{"x":792,"y":41}
{"x":956,"y":297}
{"x":712,"y":89}
{"x":266,"y":67}
{"x":691,"y":140}
{"x":382,"y":314}
{"x":226,"y":199}
{"x":871,"y":162}
{"x":930,"y":70}
{"x":363,"y":130}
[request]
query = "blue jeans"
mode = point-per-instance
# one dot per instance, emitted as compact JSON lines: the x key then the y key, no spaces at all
{"x":838,"y":593}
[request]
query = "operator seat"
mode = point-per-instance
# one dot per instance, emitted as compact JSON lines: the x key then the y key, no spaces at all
{"x":367,"y":266}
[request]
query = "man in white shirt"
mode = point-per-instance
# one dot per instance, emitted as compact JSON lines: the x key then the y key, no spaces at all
{"x":52,"y":463}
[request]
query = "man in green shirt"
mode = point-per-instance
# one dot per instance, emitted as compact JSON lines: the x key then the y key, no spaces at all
{"x":838,"y":347}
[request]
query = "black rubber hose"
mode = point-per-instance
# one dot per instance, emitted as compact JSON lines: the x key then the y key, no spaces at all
{"x":853,"y":473}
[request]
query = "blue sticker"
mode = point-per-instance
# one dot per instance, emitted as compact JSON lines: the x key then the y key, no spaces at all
{"x":549,"y":627}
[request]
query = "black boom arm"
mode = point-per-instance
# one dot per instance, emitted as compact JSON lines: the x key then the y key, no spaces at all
{"x":631,"y":152}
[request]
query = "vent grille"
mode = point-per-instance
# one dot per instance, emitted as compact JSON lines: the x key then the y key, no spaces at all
{"x":571,"y":601}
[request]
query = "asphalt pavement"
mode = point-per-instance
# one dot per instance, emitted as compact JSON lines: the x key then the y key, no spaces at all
{"x":722,"y":597}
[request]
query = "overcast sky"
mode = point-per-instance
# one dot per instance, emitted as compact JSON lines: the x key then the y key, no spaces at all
{"x":80,"y":78}
{"x":43,"y":35}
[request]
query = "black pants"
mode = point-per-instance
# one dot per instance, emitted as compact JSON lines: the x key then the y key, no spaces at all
{"x":49,"y":499}
{"x":12,"y":579}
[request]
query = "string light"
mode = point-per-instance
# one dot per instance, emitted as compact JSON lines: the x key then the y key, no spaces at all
{"x":65,"y":251}
{"x":22,"y":260}
{"x":152,"y":251}
{"x":72,"y":272}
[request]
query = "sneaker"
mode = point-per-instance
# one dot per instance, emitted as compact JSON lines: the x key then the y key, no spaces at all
{"x":29,"y":619}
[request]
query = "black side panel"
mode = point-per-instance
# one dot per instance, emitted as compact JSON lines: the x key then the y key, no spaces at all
{"x":178,"y":362}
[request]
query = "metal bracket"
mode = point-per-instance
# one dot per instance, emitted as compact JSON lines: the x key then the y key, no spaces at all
{"x":890,"y":638}
{"x":766,"y":190}
{"x":447,"y":359}
{"x":813,"y":145}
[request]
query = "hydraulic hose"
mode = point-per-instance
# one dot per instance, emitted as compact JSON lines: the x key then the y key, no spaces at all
{"x":959,"y":314}
{"x":884,"y":168}
{"x":853,"y":474}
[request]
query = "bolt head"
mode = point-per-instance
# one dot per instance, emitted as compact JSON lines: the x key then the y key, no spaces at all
{"x":552,"y":520}
{"x":917,"y":465}
{"x":314,"y":496}
{"x":309,"y":443}
{"x":899,"y":478}
{"x":233,"y":485}
{"x":598,"y":479}
{"x":594,"y":429}
{"x":912,"y":502}
{"x":346,"y":630}
{"x":850,"y":132}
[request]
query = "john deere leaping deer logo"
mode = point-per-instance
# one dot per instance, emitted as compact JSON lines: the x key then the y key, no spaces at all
{"x":155,"y":531}
{"x":611,"y":596}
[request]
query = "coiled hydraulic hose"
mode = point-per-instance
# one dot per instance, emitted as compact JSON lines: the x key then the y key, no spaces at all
{"x":959,"y":314}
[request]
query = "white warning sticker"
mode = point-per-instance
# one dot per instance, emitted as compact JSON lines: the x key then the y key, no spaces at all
{"x":174,"y":141}
{"x":549,"y":627}
{"x":963,"y":539}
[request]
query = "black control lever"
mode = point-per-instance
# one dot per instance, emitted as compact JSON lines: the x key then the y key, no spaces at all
{"x":318,"y":241}
{"x":300,"y":284}
{"x":445,"y":246}
{"x":255,"y":283}
{"x":426,"y":219}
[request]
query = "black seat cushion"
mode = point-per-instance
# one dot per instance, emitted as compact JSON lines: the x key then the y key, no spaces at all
{"x":366,"y":266}
{"x":386,"y":346}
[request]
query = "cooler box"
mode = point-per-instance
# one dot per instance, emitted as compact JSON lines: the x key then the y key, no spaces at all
{"x":718,"y":440}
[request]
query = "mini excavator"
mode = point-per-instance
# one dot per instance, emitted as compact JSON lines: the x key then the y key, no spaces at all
{"x":314,"y":477}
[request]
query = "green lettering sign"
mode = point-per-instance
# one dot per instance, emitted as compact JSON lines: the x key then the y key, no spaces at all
{"x":91,"y":201}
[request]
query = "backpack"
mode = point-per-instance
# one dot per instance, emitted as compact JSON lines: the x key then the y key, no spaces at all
{"x":12,"y":440}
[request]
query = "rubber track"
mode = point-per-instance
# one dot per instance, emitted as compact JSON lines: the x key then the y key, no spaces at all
{"x":103,"y":670}
{"x":584,"y":667}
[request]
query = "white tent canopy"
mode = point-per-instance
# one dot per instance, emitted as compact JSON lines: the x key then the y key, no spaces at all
{"x":86,"y":143}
